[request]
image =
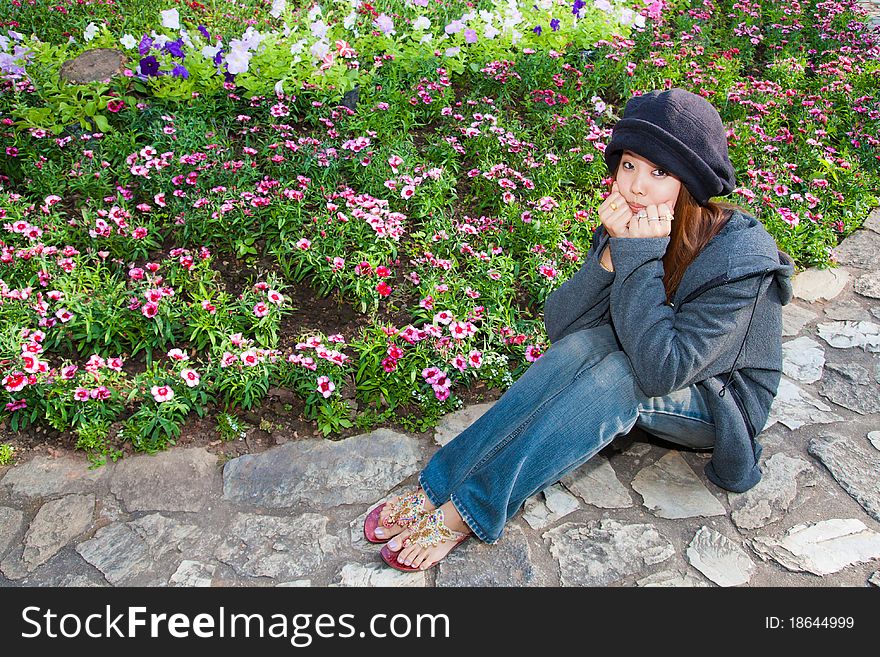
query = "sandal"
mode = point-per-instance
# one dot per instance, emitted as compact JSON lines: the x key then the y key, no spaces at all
{"x":404,"y":513}
{"x":428,"y":531}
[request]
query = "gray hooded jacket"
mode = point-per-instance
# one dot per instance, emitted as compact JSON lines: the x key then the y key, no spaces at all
{"x":723,"y":330}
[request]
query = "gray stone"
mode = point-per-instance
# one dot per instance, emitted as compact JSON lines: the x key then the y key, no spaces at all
{"x":844,"y":335}
{"x":56,"y":523}
{"x":193,"y":574}
{"x":545,"y":508}
{"x":873,"y":436}
{"x":672,"y":578}
{"x":719,"y":558}
{"x":95,"y":65}
{"x":861,"y":249}
{"x":281,"y":548}
{"x":596,"y":483}
{"x":803,"y":359}
{"x":146,"y":551}
{"x":295,"y":584}
{"x":323,"y":473}
{"x":815,"y":284}
{"x":65,"y":569}
{"x":454,"y":423}
{"x":868,"y":285}
{"x":602,"y":552}
{"x":875,"y":579}
{"x":794,"y":318}
{"x":873,"y":220}
{"x":45,"y":477}
{"x":379,"y":575}
{"x":769,"y":500}
{"x":854,"y":466}
{"x":821,"y":548}
{"x":670,"y":489}
{"x":847,"y":311}
{"x":177,"y":480}
{"x":852,"y":372}
{"x":508,"y":562}
{"x":11,"y":521}
{"x":795,"y":407}
{"x":842,"y":391}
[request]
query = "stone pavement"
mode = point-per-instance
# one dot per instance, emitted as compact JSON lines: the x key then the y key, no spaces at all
{"x":639,"y":514}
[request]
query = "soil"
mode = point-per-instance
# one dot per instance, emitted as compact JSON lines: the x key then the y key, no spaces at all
{"x":279,"y":418}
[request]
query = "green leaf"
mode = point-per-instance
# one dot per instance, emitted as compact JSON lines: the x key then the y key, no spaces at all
{"x":102,"y":123}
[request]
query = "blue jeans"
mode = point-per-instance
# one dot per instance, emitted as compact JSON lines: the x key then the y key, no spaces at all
{"x":567,"y":406}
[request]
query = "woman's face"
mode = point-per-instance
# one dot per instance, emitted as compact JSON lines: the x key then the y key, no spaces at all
{"x":643,"y":183}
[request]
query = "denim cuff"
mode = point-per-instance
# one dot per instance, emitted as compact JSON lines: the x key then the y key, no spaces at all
{"x":469,"y":520}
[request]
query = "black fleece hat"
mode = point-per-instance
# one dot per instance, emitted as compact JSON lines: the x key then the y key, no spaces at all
{"x":680,"y":132}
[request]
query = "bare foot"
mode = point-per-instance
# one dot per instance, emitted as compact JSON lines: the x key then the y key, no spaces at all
{"x":387,"y":532}
{"x":421,"y":557}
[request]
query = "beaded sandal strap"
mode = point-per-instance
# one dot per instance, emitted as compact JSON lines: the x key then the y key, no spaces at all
{"x":430,"y":530}
{"x":406,"y":510}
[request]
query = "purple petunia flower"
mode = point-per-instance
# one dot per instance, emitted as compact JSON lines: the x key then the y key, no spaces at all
{"x":577,"y":6}
{"x":205,"y":33}
{"x":537,"y":30}
{"x":470,"y":36}
{"x":180,"y":71}
{"x":145,"y":45}
{"x":175,"y":48}
{"x":218,"y":58}
{"x":149,"y":66}
{"x":554,"y":25}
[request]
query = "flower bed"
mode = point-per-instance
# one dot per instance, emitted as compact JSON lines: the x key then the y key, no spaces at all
{"x":436,"y":166}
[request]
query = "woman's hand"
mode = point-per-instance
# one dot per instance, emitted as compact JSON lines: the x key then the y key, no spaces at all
{"x":615,"y":215}
{"x":653,"y":221}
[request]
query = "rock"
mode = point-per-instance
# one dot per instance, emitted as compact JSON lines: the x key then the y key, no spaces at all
{"x":378,"y":575}
{"x":851,"y":372}
{"x":842,"y":391}
{"x":146,"y":551}
{"x":844,"y":335}
{"x":280,"y":548}
{"x":794,"y":408}
{"x":350,"y":98}
{"x":814,"y":284}
{"x":854,"y":466}
{"x":297,"y":583}
{"x":794,"y":318}
{"x":11,"y":521}
{"x":452,"y":424}
{"x":821,"y":548}
{"x":860,"y":249}
{"x":847,"y":311}
{"x":363,"y":469}
{"x":670,"y":578}
{"x":193,"y":574}
{"x":602,"y":552}
{"x":546,"y":508}
{"x":177,"y":480}
{"x":803,"y":359}
{"x":66,"y":569}
{"x":873,"y":436}
{"x":56,"y":523}
{"x":719,"y":558}
{"x":873,"y":220}
{"x":48,"y":477}
{"x":670,"y":489}
{"x":769,"y":500}
{"x":94,"y":65}
{"x":508,"y":562}
{"x":596,"y":483}
{"x":868,"y":285}
{"x":875,"y":579}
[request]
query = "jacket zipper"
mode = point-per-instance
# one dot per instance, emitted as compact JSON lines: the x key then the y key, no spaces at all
{"x":739,"y":404}
{"x":722,"y":280}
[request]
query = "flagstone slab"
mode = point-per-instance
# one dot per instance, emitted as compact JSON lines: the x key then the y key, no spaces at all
{"x":176,"y":480}
{"x":509,"y":562}
{"x":847,"y":311}
{"x":323,"y":473}
{"x":845,"y":335}
{"x":602,"y":552}
{"x":671,"y":489}
{"x":672,"y":578}
{"x":769,"y":500}
{"x":596,"y":483}
{"x":847,"y":385}
{"x":814,"y":284}
{"x":803,"y":359}
{"x":11,"y":522}
{"x":379,"y":575}
{"x":55,"y":525}
{"x":868,"y":285}
{"x":549,"y":506}
{"x":861,"y":249}
{"x":854,"y":465}
{"x":795,"y":407}
{"x":43,"y":476}
{"x":452,"y":424}
{"x":821,"y":548}
{"x":719,"y":558}
{"x":193,"y":574}
{"x":794,"y":318}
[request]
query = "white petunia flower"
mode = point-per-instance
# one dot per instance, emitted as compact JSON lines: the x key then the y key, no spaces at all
{"x":278,"y":7}
{"x":422,"y":23}
{"x":319,"y":29}
{"x":319,"y":49}
{"x":90,"y":32}
{"x":128,"y":41}
{"x":171,"y":19}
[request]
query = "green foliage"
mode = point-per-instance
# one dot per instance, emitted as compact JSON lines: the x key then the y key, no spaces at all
{"x":7,"y":452}
{"x":93,"y":437}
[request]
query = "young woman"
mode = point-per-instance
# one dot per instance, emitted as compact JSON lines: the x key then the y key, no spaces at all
{"x":673,"y":324}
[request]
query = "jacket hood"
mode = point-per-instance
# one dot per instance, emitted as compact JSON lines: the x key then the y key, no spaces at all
{"x":742,"y":249}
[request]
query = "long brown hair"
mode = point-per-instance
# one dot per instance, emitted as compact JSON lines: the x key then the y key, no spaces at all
{"x":694,"y":226}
